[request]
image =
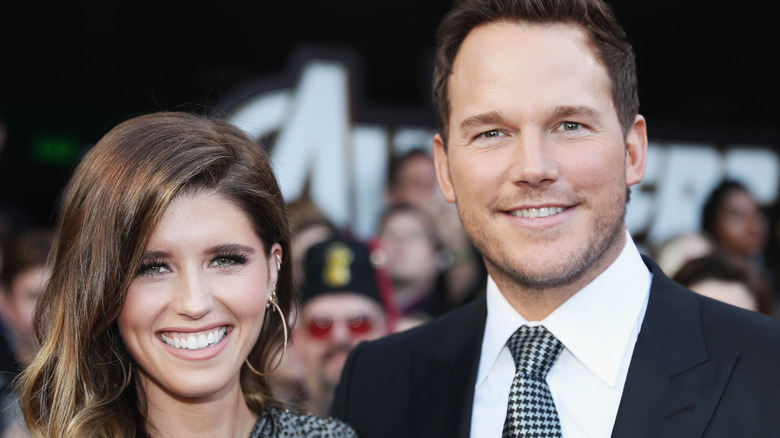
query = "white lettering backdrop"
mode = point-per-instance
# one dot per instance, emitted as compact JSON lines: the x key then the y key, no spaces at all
{"x":346,"y":163}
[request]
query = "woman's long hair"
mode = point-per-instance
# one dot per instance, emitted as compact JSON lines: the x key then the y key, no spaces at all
{"x":80,"y":384}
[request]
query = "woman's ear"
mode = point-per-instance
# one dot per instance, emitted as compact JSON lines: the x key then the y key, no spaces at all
{"x":274,"y":264}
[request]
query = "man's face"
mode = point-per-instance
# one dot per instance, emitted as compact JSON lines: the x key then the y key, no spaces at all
{"x":329,"y":327}
{"x":537,"y":161}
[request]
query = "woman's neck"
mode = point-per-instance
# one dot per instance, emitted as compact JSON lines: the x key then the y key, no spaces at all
{"x":226,"y":416}
{"x":409,"y":294}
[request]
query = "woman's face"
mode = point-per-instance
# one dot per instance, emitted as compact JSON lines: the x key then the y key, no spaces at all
{"x":195,"y":308}
{"x":740,"y":225}
{"x":411,"y":255}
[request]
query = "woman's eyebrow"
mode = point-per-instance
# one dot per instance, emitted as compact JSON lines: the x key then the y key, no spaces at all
{"x":230,"y":247}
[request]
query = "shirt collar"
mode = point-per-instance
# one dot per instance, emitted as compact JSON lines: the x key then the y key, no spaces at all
{"x":595,"y":325}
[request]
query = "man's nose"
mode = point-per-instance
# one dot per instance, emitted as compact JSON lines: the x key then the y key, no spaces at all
{"x":533,"y":159}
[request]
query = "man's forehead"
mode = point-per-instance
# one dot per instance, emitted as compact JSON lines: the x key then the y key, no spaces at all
{"x":550,"y":65}
{"x":346,"y":302}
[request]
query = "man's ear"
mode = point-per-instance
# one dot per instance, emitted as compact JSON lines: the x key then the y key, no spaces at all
{"x":442,"y":162}
{"x":636,"y":151}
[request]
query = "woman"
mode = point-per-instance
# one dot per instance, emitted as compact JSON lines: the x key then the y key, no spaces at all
{"x":171,"y":284}
{"x":735,"y":220}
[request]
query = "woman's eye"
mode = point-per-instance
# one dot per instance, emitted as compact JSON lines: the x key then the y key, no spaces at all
{"x":152,"y":269}
{"x":228,"y":260}
{"x":223,"y":261}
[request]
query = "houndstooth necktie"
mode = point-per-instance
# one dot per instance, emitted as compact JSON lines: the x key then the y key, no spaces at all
{"x":531,"y":410}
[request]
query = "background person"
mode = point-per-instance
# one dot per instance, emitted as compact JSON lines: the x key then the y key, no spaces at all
{"x":729,"y":279}
{"x":171,"y":285}
{"x":341,"y":305}
{"x":736,"y":222}
{"x":414,"y":261}
{"x":679,"y":249}
{"x":309,"y":226}
{"x":739,"y":226}
{"x":24,"y":278}
{"x":412,"y":181}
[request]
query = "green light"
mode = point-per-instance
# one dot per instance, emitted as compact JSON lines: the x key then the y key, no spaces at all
{"x":55,"y":148}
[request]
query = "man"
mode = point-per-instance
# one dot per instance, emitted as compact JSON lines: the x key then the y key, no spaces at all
{"x":342,"y":305}
{"x":540,"y":139}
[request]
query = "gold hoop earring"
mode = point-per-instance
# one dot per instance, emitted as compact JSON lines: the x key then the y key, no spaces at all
{"x":272,"y":302}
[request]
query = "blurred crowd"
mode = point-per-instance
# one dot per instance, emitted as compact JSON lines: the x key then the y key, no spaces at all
{"x":418,"y":265}
{"x":733,"y":256}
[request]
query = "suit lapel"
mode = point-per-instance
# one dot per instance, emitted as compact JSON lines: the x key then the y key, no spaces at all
{"x":444,"y":378}
{"x":672,"y":387}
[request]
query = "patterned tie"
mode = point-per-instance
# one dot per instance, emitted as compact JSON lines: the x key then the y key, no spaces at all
{"x":531,"y":410}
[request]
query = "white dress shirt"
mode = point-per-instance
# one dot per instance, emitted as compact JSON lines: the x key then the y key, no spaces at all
{"x":598,"y":328}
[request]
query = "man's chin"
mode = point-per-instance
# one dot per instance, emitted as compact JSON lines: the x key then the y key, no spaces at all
{"x":331,"y":370}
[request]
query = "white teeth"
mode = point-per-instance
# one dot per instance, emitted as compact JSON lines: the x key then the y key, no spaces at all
{"x":195,"y":341}
{"x":538,"y":212}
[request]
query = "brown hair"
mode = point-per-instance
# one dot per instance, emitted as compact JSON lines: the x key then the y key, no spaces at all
{"x":727,"y":268}
{"x":594,"y":16}
{"x":424,"y":218}
{"x":79,"y":383}
{"x":29,"y":250}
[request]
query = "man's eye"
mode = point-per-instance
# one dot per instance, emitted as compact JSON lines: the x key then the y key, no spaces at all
{"x":493,"y":133}
{"x":571,"y":126}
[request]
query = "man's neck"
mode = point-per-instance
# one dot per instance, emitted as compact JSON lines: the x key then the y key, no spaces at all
{"x":534,"y":302}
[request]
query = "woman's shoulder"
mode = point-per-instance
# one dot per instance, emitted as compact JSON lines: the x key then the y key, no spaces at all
{"x":281,"y":422}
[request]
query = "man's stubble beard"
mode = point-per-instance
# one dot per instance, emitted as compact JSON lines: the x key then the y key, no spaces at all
{"x":606,"y":233}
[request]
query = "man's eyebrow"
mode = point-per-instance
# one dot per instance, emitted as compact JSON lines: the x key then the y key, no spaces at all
{"x":493,"y":117}
{"x":481,"y":119}
{"x":575,"y":110}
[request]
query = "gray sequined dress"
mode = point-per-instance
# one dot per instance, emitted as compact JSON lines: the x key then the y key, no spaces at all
{"x":277,"y":422}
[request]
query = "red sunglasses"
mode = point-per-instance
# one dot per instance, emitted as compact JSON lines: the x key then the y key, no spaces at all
{"x":320,"y":326}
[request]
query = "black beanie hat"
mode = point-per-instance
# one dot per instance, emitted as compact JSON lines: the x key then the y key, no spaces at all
{"x":340,"y":265}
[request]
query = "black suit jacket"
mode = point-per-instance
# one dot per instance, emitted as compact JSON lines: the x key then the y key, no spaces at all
{"x":700,"y":368}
